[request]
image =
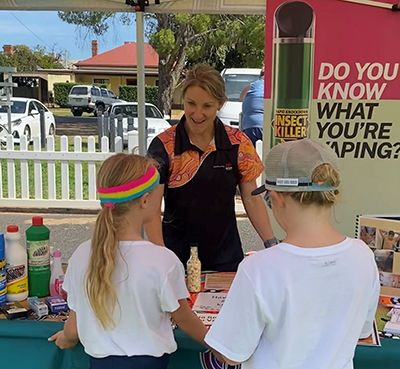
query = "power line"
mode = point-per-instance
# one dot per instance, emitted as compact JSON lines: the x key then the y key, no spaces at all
{"x":33,"y":33}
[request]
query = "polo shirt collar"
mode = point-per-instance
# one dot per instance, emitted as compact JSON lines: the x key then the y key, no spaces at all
{"x":182,"y":141}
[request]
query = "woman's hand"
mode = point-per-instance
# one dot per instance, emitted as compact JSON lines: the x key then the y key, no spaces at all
{"x":62,"y":341}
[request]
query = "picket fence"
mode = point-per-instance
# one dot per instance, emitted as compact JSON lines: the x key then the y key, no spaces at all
{"x":18,"y":161}
{"x":16,"y":172}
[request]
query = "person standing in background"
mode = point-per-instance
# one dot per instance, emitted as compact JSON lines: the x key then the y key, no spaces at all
{"x":253,"y":109}
{"x":202,"y":162}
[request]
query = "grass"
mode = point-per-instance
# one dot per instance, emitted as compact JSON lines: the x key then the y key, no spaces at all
{"x":45,"y":176}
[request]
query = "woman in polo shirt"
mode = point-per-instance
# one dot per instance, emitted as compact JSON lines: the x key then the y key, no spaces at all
{"x":202,"y":161}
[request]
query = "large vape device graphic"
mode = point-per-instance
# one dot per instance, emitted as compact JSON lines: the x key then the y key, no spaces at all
{"x":292,"y":71}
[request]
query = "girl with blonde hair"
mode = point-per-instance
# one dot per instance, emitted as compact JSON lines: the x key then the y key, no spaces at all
{"x":123,"y":290}
{"x":309,"y":299}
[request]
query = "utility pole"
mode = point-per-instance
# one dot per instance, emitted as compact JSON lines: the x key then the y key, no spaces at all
{"x":6,"y":86}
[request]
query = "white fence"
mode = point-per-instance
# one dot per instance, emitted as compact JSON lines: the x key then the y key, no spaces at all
{"x":41,"y":178}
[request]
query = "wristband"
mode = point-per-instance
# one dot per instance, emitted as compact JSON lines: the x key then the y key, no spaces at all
{"x":271,"y":242}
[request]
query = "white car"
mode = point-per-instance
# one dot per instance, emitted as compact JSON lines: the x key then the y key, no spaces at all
{"x":156,"y":121}
{"x":25,"y":119}
{"x":236,"y":79}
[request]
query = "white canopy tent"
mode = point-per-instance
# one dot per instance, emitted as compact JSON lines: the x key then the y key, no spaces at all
{"x":150,"y":6}
{"x":154,"y":6}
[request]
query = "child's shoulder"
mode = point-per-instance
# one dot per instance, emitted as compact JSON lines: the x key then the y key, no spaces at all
{"x":158,"y":254}
{"x":82,"y":250}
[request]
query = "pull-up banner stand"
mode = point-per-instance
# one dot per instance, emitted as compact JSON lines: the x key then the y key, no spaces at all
{"x":332,"y":74}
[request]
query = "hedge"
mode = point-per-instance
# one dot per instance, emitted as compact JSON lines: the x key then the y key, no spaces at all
{"x":129,"y":93}
{"x":61,"y":92}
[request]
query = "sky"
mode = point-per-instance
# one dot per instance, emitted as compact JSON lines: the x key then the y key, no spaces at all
{"x":46,"y":29}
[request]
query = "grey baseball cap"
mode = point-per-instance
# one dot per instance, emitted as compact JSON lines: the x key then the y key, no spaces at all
{"x":289,"y":167}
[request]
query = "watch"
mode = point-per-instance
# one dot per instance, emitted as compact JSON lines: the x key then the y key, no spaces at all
{"x":271,"y":242}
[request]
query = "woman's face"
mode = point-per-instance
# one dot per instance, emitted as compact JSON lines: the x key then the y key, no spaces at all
{"x":200,"y":107}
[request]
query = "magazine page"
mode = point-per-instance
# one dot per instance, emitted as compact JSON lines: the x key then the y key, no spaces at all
{"x":382,"y":234}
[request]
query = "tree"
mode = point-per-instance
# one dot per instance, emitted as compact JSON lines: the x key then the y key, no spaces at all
{"x":182,"y":40}
{"x":27,"y":60}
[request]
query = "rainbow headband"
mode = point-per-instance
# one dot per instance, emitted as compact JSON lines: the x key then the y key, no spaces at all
{"x":131,"y":190}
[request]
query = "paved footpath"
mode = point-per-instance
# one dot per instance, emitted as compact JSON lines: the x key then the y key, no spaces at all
{"x":67,"y":231}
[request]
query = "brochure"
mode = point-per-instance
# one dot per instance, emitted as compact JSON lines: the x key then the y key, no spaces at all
{"x":219,"y":281}
{"x":382,"y":235}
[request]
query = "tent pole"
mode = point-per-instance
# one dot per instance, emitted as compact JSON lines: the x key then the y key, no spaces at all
{"x":141,"y":82}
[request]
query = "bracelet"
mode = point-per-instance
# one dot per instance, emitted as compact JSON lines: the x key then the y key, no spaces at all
{"x":271,"y":242}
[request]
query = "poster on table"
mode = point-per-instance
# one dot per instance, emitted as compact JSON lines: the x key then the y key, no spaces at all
{"x":332,"y":74}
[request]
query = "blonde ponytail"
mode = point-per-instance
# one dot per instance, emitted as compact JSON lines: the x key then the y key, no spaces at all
{"x":102,"y":295}
{"x":99,"y":288}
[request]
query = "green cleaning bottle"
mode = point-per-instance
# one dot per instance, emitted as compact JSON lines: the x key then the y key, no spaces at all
{"x":37,"y":244}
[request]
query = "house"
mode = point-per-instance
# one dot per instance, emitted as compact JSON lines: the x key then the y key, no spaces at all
{"x":114,"y":68}
{"x":117,"y":66}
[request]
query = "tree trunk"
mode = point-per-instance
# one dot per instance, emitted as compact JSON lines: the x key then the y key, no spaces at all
{"x":168,"y":79}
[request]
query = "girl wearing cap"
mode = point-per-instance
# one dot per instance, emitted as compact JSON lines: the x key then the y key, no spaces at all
{"x":123,"y":290}
{"x":202,"y":162}
{"x":303,"y":302}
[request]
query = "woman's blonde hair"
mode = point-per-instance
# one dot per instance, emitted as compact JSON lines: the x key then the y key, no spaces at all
{"x":206,"y":77}
{"x":116,"y":170}
{"x":324,"y":174}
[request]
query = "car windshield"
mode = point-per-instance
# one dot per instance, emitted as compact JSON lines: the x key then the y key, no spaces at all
{"x":131,"y":111}
{"x":234,"y":84}
{"x":79,"y":90}
{"x":18,"y":107}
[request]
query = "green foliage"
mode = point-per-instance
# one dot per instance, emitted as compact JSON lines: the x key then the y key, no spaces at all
{"x":27,"y":60}
{"x":182,"y":40}
{"x":61,"y":92}
{"x":129,"y":93}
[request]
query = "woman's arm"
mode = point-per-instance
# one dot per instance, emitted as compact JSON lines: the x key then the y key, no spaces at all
{"x":68,"y":337}
{"x":256,"y":210}
{"x":153,"y":228}
{"x":187,"y":320}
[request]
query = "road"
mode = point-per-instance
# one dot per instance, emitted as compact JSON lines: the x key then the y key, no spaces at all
{"x":80,"y":126}
{"x":67,"y":231}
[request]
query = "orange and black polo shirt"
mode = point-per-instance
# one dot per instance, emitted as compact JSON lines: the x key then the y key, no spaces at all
{"x":200,"y":188}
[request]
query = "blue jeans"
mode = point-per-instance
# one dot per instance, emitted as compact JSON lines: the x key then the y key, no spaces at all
{"x":130,"y":362}
{"x":254,"y":134}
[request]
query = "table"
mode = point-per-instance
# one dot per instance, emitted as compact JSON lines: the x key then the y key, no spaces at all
{"x":23,"y":344}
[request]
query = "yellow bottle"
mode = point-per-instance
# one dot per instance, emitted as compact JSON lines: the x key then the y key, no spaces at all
{"x":193,"y":267}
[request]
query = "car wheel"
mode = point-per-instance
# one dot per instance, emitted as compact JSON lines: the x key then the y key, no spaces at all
{"x":51,"y":130}
{"x":27,"y":133}
{"x":77,"y":113}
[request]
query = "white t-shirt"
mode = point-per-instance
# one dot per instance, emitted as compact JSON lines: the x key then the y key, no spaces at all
{"x":149,"y":281}
{"x":299,"y":308}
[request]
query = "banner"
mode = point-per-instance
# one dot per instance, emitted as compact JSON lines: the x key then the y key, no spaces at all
{"x":332,"y":74}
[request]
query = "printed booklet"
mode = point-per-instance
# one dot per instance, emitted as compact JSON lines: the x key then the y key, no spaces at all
{"x":382,"y":235}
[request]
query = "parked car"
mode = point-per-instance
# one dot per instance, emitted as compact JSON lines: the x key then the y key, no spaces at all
{"x":156,"y":121}
{"x":235,"y":80}
{"x":90,"y":99}
{"x":25,"y":118}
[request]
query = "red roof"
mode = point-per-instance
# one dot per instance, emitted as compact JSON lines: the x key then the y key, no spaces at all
{"x":122,"y":56}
